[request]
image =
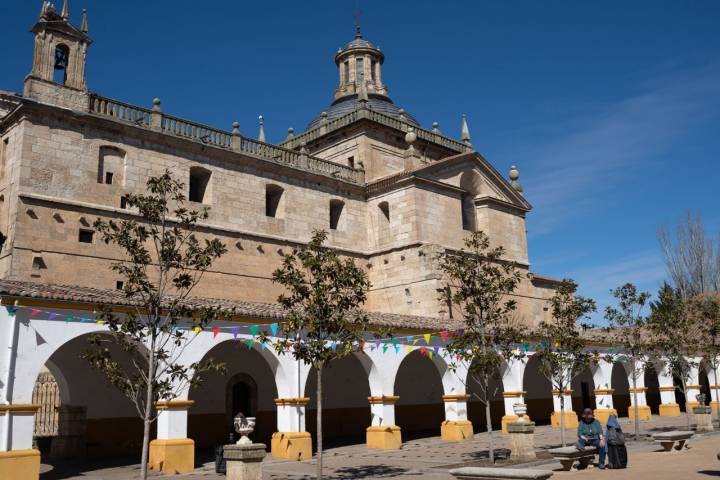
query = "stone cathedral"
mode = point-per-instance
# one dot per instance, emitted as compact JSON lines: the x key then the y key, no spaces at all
{"x":391,"y":193}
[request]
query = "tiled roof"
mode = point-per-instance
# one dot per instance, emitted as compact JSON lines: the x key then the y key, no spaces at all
{"x":254,"y":310}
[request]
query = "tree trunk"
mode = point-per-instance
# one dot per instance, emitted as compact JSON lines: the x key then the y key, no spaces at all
{"x":562,"y":417}
{"x":148,"y":413}
{"x":635,"y":404}
{"x":488,"y":419}
{"x":715,"y":370}
{"x":319,"y":425}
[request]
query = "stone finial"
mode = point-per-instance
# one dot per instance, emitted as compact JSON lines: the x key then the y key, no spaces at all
{"x":261,"y":134}
{"x":236,"y":128}
{"x":156,"y":105}
{"x":401,"y":114}
{"x":291,"y":134}
{"x":84,"y":24}
{"x":43,"y":9}
{"x":65,"y":10}
{"x":465,"y":131}
{"x":514,"y":175}
{"x":436,"y":127}
{"x":410,"y":136}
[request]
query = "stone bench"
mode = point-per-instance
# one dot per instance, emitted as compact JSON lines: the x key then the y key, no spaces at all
{"x":668,"y":439}
{"x":568,"y":456}
{"x":488,"y":473}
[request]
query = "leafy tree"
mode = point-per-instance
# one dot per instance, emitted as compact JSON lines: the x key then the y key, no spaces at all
{"x":478,"y":281}
{"x":562,"y":353}
{"x":324,"y":322}
{"x":164,"y":262}
{"x":705,"y":315}
{"x":627,"y":327}
{"x":674,"y":340}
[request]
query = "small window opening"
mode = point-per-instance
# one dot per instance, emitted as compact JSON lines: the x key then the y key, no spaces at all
{"x":85,"y":236}
{"x":62,"y":58}
{"x":199,"y":181}
{"x":468,"y":212}
{"x":336,"y":208}
{"x":4,"y":152}
{"x":385,"y":210}
{"x":119,"y":285}
{"x":359,"y":69}
{"x":273,"y":198}
{"x":108,"y":178}
{"x":346,"y":72}
{"x":123,"y":202}
{"x":351,"y":162}
{"x":373,"y":64}
{"x":38,"y":263}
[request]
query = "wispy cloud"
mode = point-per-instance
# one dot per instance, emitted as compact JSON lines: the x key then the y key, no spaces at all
{"x":645,"y":269}
{"x":581,"y":170}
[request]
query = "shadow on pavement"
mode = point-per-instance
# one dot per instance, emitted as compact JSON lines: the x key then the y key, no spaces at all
{"x":369,"y":471}
{"x":72,"y":468}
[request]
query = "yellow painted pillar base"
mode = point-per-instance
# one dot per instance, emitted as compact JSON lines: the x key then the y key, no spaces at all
{"x":20,"y":464}
{"x":669,"y":410}
{"x":385,"y":437}
{"x":291,"y":445}
{"x":172,"y":456}
{"x":456,"y":430}
{"x":509,"y":419}
{"x":715,"y":406}
{"x":643,"y":412}
{"x":602,"y":414}
{"x":571,"y":419}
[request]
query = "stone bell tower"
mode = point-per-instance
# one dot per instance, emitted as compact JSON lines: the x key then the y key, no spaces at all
{"x":58,"y":70}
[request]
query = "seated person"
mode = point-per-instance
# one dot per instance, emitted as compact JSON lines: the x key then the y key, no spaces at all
{"x":590,"y":434}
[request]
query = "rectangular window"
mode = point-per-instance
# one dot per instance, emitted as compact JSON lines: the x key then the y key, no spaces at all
{"x":123,"y":202}
{"x":85,"y":236}
{"x":359,"y":72}
{"x":351,"y":162}
{"x":4,"y":153}
{"x":273,"y":201}
{"x":119,"y":285}
{"x":372,"y":71}
{"x":199,"y":181}
{"x":346,"y":72}
{"x":108,"y":178}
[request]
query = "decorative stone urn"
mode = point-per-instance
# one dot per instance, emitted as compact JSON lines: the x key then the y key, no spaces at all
{"x":521,"y":435}
{"x":244,"y":426}
{"x":244,"y":459}
{"x":703,"y":415}
{"x":520,"y":410}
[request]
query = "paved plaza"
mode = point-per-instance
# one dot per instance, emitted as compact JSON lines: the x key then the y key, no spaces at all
{"x":430,"y":459}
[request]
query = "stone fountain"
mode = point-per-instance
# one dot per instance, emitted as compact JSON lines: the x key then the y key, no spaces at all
{"x":244,"y":458}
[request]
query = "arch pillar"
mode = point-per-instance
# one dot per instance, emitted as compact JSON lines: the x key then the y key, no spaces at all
{"x":714,"y":387}
{"x":693,"y":386}
{"x":571,"y":419}
{"x":602,"y":378}
{"x":638,"y":392}
{"x":291,"y":441}
{"x":172,"y":452}
{"x":456,"y":426}
{"x":382,"y":368}
{"x":668,"y":407}
{"x":512,"y":379}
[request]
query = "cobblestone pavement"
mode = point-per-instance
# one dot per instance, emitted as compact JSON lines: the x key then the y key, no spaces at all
{"x":430,"y":459}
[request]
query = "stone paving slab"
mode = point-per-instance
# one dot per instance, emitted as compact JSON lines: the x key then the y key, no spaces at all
{"x":427,"y":459}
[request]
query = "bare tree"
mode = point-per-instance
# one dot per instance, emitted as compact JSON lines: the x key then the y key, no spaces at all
{"x":691,"y":256}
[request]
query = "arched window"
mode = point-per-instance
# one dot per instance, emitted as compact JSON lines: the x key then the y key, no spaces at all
{"x":274,"y":201}
{"x":111,"y":163}
{"x":199,"y":183}
{"x":383,"y":222}
{"x":468,"y":212}
{"x":62,"y":59}
{"x":336,"y":208}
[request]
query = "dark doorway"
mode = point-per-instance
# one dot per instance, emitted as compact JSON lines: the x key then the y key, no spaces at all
{"x":585,"y":391}
{"x":241,"y":398}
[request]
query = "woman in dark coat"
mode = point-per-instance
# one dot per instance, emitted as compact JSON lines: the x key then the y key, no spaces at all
{"x":616,"y":451}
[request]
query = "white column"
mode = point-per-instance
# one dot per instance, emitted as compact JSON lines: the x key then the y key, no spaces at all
{"x":455,"y":395}
{"x":693,"y":386}
{"x":172,"y":419}
{"x":668,"y":406}
{"x":512,"y":379}
{"x":602,"y":378}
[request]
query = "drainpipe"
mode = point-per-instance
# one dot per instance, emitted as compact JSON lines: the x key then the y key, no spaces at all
{"x":10,"y":362}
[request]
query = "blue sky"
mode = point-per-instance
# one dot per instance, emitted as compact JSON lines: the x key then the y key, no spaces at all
{"x":611,"y":110}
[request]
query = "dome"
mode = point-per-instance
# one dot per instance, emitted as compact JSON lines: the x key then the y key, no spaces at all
{"x":348,"y":103}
